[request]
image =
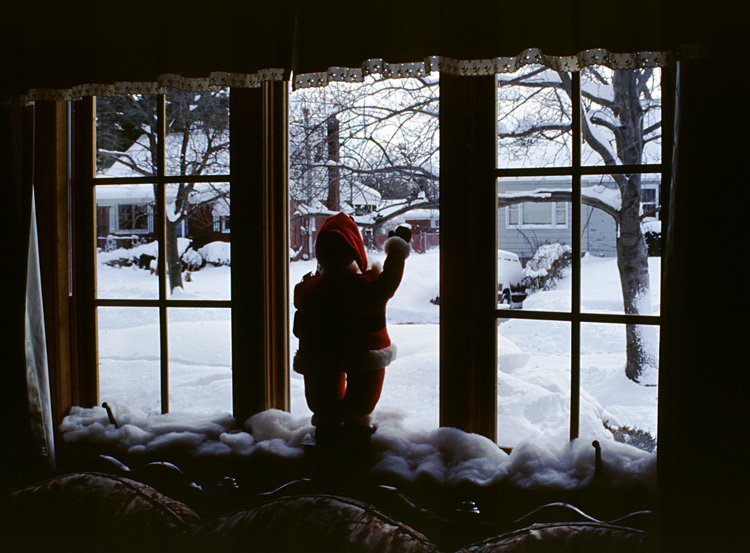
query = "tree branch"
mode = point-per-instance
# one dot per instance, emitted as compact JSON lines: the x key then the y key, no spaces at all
{"x":547,"y":195}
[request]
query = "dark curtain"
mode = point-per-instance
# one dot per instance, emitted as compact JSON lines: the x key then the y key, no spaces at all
{"x":48,"y":44}
{"x":702,"y":454}
{"x":24,"y":416}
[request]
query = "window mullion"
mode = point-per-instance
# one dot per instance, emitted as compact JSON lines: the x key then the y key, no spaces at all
{"x":160,"y":227}
{"x":468,"y":257}
{"x":575,"y":338}
{"x":260,"y":318}
{"x":84,"y":221}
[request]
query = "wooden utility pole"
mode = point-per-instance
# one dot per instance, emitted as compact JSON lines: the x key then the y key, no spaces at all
{"x":332,"y":138}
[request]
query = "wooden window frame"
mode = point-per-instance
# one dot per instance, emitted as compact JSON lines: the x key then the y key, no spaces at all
{"x":66,"y":159}
{"x":259,"y":300}
{"x":468,"y":278}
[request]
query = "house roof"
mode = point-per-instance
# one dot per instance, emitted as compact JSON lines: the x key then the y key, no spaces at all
{"x":139,"y":154}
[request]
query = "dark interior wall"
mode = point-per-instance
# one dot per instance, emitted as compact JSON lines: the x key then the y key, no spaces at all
{"x":703,"y":458}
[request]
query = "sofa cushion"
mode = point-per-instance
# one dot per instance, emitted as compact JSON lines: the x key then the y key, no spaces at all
{"x":92,"y":512}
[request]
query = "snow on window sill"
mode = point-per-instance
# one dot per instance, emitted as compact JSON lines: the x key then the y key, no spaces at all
{"x":446,"y":456}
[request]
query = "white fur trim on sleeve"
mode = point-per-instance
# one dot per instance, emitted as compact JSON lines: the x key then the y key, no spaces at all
{"x":397,"y":246}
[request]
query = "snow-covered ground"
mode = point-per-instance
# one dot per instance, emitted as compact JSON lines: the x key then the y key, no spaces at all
{"x":533,"y":365}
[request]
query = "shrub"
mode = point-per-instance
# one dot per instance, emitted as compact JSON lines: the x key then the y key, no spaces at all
{"x":548,"y":265}
{"x":653,"y":243}
{"x":192,"y":260}
{"x":121,"y":261}
{"x":217,"y":253}
{"x":636,"y":437}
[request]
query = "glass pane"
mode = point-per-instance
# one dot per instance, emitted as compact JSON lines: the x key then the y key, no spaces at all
{"x":534,"y":382}
{"x":534,"y":238}
{"x":129,"y":366}
{"x":200,"y":360}
{"x":126,"y":135}
{"x":198,"y":241}
{"x":621,"y":116}
{"x":369,"y":149}
{"x":613,"y":405}
{"x":126,"y":248}
{"x":639,"y":235}
{"x":198,"y":132}
{"x":534,"y":124}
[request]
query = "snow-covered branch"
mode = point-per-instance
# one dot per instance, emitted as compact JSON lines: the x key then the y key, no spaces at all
{"x":607,"y":200}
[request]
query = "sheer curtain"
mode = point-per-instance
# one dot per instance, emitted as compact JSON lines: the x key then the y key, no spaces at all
{"x":25,"y":414}
{"x":37,"y":376}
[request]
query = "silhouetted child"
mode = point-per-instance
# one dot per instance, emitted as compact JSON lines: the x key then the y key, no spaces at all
{"x":344,"y":345}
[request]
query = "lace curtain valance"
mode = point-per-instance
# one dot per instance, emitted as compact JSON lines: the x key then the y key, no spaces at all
{"x":371,"y":67}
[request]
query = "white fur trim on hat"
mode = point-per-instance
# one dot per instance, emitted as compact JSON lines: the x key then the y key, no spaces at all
{"x":350,"y":362}
{"x":397,"y":246}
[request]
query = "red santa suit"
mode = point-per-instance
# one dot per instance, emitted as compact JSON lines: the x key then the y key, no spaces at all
{"x":344,"y":345}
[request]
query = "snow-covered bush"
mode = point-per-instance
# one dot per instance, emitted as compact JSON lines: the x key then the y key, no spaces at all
{"x":548,"y":265}
{"x":192,"y":260}
{"x":127,"y":257}
{"x":217,"y":253}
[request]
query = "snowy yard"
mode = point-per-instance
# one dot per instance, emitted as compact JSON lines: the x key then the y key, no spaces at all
{"x":534,"y":356}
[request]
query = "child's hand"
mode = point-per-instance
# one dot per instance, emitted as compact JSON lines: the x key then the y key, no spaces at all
{"x":402,"y":232}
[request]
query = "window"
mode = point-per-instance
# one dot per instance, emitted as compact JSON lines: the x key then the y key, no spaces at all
{"x":650,"y":202}
{"x":371,"y":151}
{"x":558,"y":196}
{"x":164,"y":325}
{"x":581,"y":357}
{"x":531,"y":215}
{"x":163,"y":300}
{"x":221,"y":223}
{"x":134,"y":218}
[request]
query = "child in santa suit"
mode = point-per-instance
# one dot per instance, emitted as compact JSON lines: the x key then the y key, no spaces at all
{"x":344,"y":346}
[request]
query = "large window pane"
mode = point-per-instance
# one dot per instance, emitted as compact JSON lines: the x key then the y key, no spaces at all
{"x":129,"y":366}
{"x":200,"y":368}
{"x":621,"y":116}
{"x":198,"y":132}
{"x":369,"y":150}
{"x":126,"y":139}
{"x":614,"y":406}
{"x":534,"y":382}
{"x":608,"y":220}
{"x":198,"y":241}
{"x":534,"y":242}
{"x":126,"y":249}
{"x":534,"y":114}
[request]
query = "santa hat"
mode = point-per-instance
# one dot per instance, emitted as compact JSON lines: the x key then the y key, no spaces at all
{"x":339,"y":237}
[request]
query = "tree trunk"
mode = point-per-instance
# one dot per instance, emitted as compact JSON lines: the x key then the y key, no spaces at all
{"x":174,"y":265}
{"x":632,"y":254}
{"x":632,"y":262}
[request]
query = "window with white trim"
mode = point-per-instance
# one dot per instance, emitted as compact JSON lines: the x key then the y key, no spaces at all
{"x":537,"y":216}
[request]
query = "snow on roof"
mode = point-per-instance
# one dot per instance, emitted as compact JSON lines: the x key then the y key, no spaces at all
{"x":417,"y":214}
{"x":315,"y":207}
{"x":359,"y":194}
{"x":144,"y":193}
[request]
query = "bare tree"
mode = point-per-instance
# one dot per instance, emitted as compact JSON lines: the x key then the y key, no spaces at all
{"x":387,"y":140}
{"x":620,"y":117}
